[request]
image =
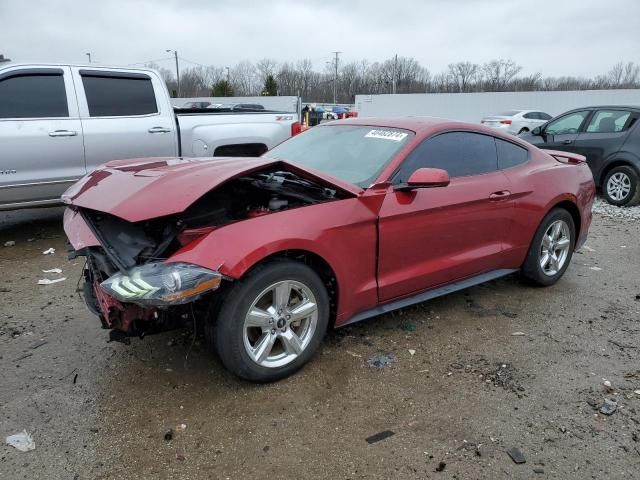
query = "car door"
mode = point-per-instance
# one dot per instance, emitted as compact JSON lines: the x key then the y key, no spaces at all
{"x":124,"y":115}
{"x":561,"y":133}
{"x":41,"y":150}
{"x":603,"y":136}
{"x":429,"y":237}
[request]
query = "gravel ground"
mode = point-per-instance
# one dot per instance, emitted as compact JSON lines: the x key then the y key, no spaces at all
{"x":606,"y":209}
{"x":476,"y":373}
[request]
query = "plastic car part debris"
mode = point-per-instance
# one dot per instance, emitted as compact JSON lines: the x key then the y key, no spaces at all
{"x":380,"y":436}
{"x":47,"y":281}
{"x":381,"y":361}
{"x":412,"y":352}
{"x":49,"y":251}
{"x":518,"y":334}
{"x":22,"y":441}
{"x":441,"y":466}
{"x":516,"y":455}
{"x":608,"y":407}
{"x":168,"y":435}
{"x":10,"y":243}
{"x":53,"y":270}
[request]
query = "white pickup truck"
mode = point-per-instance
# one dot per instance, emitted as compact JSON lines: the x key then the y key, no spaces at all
{"x":59,"y":122}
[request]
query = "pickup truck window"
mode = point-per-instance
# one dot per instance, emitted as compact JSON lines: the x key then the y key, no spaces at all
{"x":112,"y":96}
{"x":33,"y":96}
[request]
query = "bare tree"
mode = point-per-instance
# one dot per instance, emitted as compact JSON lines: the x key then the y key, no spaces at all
{"x":464,"y":74}
{"x":498,"y":74}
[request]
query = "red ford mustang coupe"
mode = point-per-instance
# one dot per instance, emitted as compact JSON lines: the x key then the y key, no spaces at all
{"x":341,"y":223}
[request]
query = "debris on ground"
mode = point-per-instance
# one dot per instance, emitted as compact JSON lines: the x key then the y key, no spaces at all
{"x":38,"y":344}
{"x":49,"y":251}
{"x":538,"y":470}
{"x":380,"y":436}
{"x":595,"y":269}
{"x":518,"y":334}
{"x":441,"y":466}
{"x":353,"y":354}
{"x":181,"y":428}
{"x":47,"y":281}
{"x":22,"y":441}
{"x":608,"y":386}
{"x":516,"y":455}
{"x":53,"y":270}
{"x":381,"y":361}
{"x":10,"y":243}
{"x":408,"y":327}
{"x":168,"y":435}
{"x":637,"y":392}
{"x":609,"y":407}
{"x":412,"y":352}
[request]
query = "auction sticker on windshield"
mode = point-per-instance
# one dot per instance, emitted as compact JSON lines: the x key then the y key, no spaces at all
{"x":387,"y":135}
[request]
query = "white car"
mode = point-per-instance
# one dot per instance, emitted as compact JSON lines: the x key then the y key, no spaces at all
{"x":517,"y":121}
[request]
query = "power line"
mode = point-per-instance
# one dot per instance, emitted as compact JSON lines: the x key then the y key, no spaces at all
{"x":149,"y":61}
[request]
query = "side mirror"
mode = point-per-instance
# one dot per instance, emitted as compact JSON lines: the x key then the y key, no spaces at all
{"x":537,"y":131}
{"x":425,"y":178}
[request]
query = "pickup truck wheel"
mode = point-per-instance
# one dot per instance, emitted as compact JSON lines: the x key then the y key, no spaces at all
{"x":272,"y":321}
{"x":621,"y":186}
{"x":551,"y":249}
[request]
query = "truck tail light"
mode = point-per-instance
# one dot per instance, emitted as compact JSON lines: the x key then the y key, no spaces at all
{"x":505,"y":122}
{"x":296,"y":128}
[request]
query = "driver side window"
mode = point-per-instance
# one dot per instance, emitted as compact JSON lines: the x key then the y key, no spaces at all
{"x":459,"y":153}
{"x":567,"y":124}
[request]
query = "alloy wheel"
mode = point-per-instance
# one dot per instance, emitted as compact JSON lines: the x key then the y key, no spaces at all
{"x":618,"y":186}
{"x":280,"y":323}
{"x":554,"y":249}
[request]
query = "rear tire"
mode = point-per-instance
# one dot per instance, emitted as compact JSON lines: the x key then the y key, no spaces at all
{"x":551,"y":249}
{"x":621,"y":186}
{"x":262,"y":333}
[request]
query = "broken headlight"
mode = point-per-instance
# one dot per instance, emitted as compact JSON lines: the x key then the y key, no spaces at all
{"x":162,"y":283}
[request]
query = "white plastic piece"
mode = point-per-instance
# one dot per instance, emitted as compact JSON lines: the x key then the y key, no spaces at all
{"x":22,"y":441}
{"x":49,"y":251}
{"x":46,"y":281}
{"x":53,"y":270}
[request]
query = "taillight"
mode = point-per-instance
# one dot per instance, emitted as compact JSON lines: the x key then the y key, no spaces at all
{"x":505,"y":122}
{"x":296,"y":128}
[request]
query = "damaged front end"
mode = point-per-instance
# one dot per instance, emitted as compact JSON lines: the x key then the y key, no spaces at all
{"x":130,"y":281}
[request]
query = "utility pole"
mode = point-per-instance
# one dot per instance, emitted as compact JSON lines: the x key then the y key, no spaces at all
{"x":395,"y":69}
{"x":88,"y":56}
{"x":175,"y":54}
{"x":335,"y":76}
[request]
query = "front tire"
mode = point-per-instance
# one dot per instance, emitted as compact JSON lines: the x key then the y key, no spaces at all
{"x":621,"y":186}
{"x":272,"y":321}
{"x":551,"y":249}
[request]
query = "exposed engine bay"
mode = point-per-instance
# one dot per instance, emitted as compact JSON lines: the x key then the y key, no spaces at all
{"x":128,"y":249}
{"x":260,"y":193}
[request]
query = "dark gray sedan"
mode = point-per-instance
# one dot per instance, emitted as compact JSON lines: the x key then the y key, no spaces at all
{"x":610,"y":139}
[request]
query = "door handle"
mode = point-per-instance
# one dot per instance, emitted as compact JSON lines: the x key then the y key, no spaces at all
{"x":567,"y":142}
{"x":159,"y":130}
{"x":63,"y":133}
{"x":502,"y":195}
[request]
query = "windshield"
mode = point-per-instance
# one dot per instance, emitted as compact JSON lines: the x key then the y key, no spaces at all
{"x":353,"y":153}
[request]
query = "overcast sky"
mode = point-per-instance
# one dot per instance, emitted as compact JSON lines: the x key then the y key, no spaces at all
{"x":561,"y":37}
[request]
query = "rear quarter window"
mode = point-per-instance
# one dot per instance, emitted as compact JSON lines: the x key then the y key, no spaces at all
{"x":510,"y":155}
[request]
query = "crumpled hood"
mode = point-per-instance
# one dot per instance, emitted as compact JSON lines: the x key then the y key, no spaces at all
{"x":141,"y":189}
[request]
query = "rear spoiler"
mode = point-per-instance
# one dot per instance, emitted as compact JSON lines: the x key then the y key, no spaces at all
{"x":567,"y":157}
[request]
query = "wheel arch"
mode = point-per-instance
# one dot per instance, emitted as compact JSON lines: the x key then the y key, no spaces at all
{"x":617,"y":162}
{"x":317,"y":263}
{"x":573,"y":210}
